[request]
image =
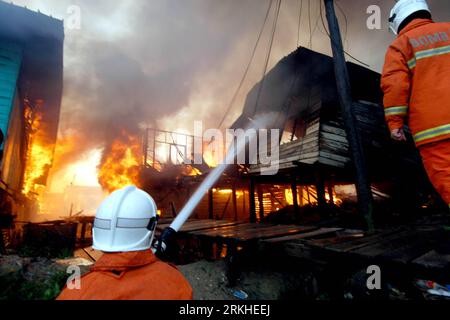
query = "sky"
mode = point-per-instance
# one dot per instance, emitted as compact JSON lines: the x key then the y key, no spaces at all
{"x":166,"y":63}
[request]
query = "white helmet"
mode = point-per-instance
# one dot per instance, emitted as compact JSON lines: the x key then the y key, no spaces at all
{"x":402,"y":10}
{"x":125,"y":221}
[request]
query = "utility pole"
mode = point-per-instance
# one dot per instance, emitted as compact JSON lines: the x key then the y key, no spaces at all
{"x":363,"y":189}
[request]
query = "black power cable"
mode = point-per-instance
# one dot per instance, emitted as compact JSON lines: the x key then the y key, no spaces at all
{"x":266,"y":64}
{"x":241,"y":83}
{"x":299,"y":22}
{"x":328,"y":34}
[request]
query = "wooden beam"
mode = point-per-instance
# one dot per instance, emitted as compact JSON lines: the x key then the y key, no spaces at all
{"x":309,"y":196}
{"x":365,"y":197}
{"x":330,"y":193}
{"x":295,"y":194}
{"x":261,"y":202}
{"x":234,"y":198}
{"x":301,"y":195}
{"x":320,"y":188}
{"x":210,"y":204}
{"x":252,"y":204}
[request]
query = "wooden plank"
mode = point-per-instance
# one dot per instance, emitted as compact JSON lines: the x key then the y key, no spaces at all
{"x":361,"y":242}
{"x":386,"y":244}
{"x":195,"y":222}
{"x":94,"y":254}
{"x":333,"y":130}
{"x":433,"y":260}
{"x":308,"y":156}
{"x":408,"y":253}
{"x":234,"y":232}
{"x":335,"y":157}
{"x":336,"y":240}
{"x":332,"y":163}
{"x":297,"y":157}
{"x":81,"y":253}
{"x":312,"y":129}
{"x":209,"y":226}
{"x":308,"y":160}
{"x":334,"y":145}
{"x":202,"y":224}
{"x":413,"y":248}
{"x":250,"y":233}
{"x":335,"y":137}
{"x":307,"y":235}
{"x":302,"y":148}
{"x":326,"y":149}
{"x":213,"y":232}
{"x":299,"y":142}
{"x":270,"y":233}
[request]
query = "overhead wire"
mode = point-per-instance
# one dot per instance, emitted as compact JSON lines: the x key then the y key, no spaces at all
{"x":345,"y":21}
{"x":286,"y":107}
{"x":299,"y":22}
{"x":328,"y":34}
{"x":269,"y":53}
{"x":309,"y":23}
{"x":316,"y":26}
{"x":247,"y":69}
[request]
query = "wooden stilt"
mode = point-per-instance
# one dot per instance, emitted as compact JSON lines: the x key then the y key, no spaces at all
{"x":363,"y":188}
{"x":234,"y":199}
{"x":261,"y":202}
{"x":295,"y":194}
{"x":252,"y":201}
{"x":211,"y":204}
{"x":308,"y":195}
{"x":330,"y":193}
{"x":320,"y":188}
{"x":301,"y":195}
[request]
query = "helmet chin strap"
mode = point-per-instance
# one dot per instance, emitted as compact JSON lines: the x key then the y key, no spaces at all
{"x":152,"y":227}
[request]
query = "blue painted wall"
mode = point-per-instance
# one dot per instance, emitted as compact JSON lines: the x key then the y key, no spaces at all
{"x":10,"y":62}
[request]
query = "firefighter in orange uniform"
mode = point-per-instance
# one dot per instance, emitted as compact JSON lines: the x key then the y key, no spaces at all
{"x":416,"y":86}
{"x":128,"y":270}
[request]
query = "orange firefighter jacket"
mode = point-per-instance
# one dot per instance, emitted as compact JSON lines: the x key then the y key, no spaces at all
{"x":416,"y":81}
{"x":137,"y":275}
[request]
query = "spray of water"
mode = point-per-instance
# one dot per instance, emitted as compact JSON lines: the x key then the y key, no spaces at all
{"x":260,"y":122}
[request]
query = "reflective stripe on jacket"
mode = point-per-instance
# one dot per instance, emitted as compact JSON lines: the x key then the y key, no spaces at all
{"x":416,"y":81}
{"x":137,"y":275}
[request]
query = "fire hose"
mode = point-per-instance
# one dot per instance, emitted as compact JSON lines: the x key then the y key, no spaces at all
{"x":167,"y":238}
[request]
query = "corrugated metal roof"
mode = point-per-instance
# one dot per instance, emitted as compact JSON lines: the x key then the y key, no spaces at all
{"x":303,"y":74}
{"x":22,"y":23}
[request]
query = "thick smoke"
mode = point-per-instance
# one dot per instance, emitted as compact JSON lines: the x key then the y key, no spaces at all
{"x":154,"y":70}
{"x":167,"y":63}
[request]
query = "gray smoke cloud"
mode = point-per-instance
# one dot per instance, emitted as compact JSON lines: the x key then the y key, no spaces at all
{"x":167,"y":63}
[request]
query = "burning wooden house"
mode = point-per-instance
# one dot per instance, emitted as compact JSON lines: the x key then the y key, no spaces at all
{"x":171,"y":176}
{"x":314,"y":165}
{"x":314,"y":159}
{"x":314,"y":153}
{"x":31,"y":82}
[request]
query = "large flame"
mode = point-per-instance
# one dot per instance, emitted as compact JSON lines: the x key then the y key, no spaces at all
{"x":121,"y":163}
{"x":39,"y":156}
{"x":309,"y":196}
{"x":210,"y":159}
